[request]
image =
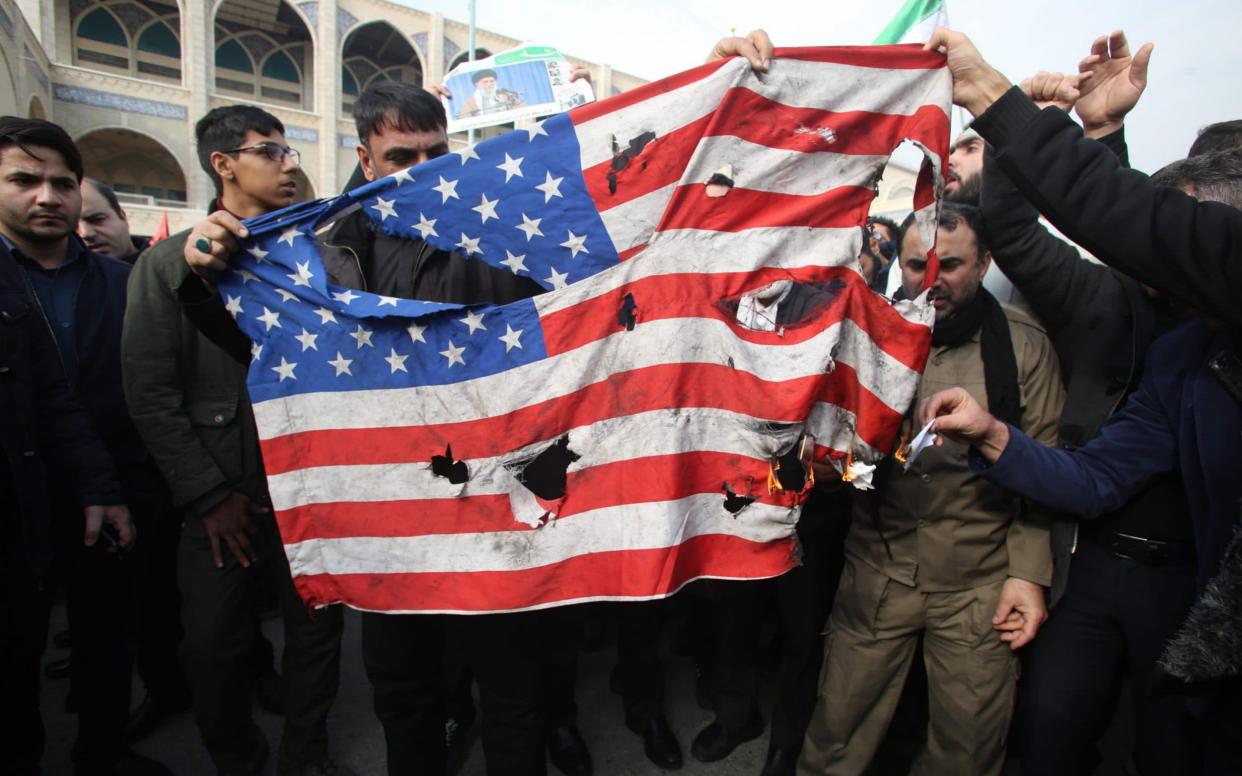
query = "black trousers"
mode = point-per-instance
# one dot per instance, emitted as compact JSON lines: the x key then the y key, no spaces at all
{"x":1113,"y":621}
{"x":25,"y":607}
{"x":639,"y":671}
{"x":159,"y":623}
{"x":403,"y":657}
{"x":801,"y":599}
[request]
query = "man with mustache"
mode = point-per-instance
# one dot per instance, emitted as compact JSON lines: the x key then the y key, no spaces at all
{"x":934,"y":550}
{"x":103,"y":225}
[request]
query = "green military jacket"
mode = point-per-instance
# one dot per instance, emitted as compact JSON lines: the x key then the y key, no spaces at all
{"x":939,"y":525}
{"x":186,"y":395}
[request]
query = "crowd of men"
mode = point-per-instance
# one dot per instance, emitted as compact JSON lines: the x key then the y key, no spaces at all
{"x":1074,"y":525}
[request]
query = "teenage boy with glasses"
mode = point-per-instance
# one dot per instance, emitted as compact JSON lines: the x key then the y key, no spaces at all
{"x":188,"y":399}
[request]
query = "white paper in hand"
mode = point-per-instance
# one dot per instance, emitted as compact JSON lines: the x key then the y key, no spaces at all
{"x":925,"y":439}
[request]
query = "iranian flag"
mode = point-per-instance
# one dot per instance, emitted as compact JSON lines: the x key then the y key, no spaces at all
{"x":914,"y":22}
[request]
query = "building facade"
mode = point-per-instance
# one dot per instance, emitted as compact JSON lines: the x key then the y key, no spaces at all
{"x":128,"y":78}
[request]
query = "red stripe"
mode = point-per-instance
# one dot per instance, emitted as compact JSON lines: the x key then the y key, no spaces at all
{"x":711,"y":386}
{"x":645,"y":92}
{"x":620,"y":574}
{"x":740,"y":209}
{"x":755,"y":118}
{"x":907,"y":56}
{"x":650,"y":479}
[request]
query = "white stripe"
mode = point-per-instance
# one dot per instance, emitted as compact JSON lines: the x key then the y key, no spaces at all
{"x":687,"y":341}
{"x":782,"y":171}
{"x":632,"y":223}
{"x":652,"y":525}
{"x":641,"y":435}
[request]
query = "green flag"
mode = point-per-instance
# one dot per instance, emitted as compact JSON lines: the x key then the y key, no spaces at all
{"x":915,"y":22}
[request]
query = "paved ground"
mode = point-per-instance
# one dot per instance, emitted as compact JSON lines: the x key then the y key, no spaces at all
{"x":358,"y":740}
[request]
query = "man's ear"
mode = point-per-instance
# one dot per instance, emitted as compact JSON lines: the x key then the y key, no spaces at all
{"x":364,"y":159}
{"x":985,"y":261}
{"x":222,"y":163}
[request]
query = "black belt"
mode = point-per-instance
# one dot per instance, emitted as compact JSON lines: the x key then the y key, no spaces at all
{"x":1150,"y":552}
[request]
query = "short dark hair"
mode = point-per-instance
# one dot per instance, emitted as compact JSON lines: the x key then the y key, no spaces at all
{"x":24,"y":133}
{"x":108,"y":194}
{"x":224,"y":129}
{"x":1217,"y":176}
{"x":481,"y":74}
{"x":954,"y":214}
{"x":907,"y":224}
{"x":1221,"y":136}
{"x":401,"y":106}
{"x":882,"y":221}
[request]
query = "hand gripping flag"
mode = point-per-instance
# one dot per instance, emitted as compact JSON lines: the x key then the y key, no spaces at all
{"x":646,"y":421}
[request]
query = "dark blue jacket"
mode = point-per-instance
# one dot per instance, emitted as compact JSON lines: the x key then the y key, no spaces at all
{"x":99,"y":314}
{"x":41,"y":424}
{"x":1182,"y":418}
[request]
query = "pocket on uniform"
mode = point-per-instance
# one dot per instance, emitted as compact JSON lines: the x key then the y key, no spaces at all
{"x":212,"y":413}
{"x":859,"y":597}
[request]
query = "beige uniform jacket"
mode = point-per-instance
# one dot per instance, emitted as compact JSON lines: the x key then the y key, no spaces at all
{"x":947,"y":528}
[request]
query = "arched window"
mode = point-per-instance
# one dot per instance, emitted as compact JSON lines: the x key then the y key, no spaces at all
{"x":133,"y":37}
{"x":234,"y":68}
{"x":102,"y":40}
{"x":281,"y":79}
{"x":373,"y":53}
{"x":159,"y":51}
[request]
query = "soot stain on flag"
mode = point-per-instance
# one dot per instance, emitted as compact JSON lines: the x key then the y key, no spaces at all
{"x":734,"y":503}
{"x":622,"y":157}
{"x":444,"y":466}
{"x":627,"y":315}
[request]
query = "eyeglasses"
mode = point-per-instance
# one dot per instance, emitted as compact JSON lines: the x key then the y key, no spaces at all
{"x":273,"y":151}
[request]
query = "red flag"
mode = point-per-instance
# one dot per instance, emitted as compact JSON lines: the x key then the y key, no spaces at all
{"x":161,"y":231}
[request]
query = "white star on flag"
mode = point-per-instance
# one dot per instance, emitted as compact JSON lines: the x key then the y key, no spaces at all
{"x":511,"y":167}
{"x":515,"y":263}
{"x":345,"y":296}
{"x":234,"y":306}
{"x":511,"y":338}
{"x":286,"y":295}
{"x":387,"y":300}
{"x":416,"y":332}
{"x":325,"y":315}
{"x":474,"y":321}
{"x":470,"y":244}
{"x":258,"y":253}
{"x":256,"y":350}
{"x":303,"y":275}
{"x":557,"y":279}
{"x":426,"y":227}
{"x":341,"y":364}
{"x":530,"y":227}
{"x":447,"y":189}
{"x":246,"y":275}
{"x":551,"y":187}
{"x":576,"y":244}
{"x":307,"y":339}
{"x":385,"y":208}
{"x":453,"y":354}
{"x":401,"y":176}
{"x":486,"y":208}
{"x":467,"y":154}
{"x":536,"y":130}
{"x":362,"y":337}
{"x":396,"y":361}
{"x":270,"y":319}
{"x":285,"y":370}
{"x":291,"y":234}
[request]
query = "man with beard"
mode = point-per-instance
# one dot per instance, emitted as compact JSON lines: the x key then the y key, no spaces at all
{"x":103,"y":225}
{"x":965,"y":169}
{"x":936,"y":551}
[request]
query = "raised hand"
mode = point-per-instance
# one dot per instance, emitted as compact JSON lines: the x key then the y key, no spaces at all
{"x":756,"y":47}
{"x":1046,"y":89}
{"x":1110,"y":83}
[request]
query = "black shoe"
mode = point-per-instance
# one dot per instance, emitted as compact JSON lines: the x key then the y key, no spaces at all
{"x":130,"y":764}
{"x":568,"y":752}
{"x":59,"y":669}
{"x":269,"y":691}
{"x":714,"y":742}
{"x":149,"y":714}
{"x":659,"y":743}
{"x":62,"y":640}
{"x":782,"y":761}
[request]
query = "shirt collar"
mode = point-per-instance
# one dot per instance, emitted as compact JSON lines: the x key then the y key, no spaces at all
{"x":72,"y":253}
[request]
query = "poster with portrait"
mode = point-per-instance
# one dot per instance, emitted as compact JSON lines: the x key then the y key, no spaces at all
{"x":522,"y":83}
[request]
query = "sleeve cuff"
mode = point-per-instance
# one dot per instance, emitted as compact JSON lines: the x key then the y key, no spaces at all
{"x":1041,"y":578}
{"x":1116,"y":142}
{"x":208,"y":501}
{"x":1006,"y":119}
